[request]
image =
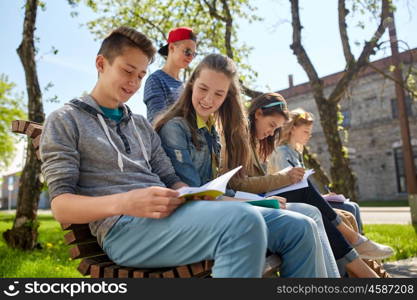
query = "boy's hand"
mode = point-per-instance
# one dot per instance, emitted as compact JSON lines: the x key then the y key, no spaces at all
{"x":152,"y":202}
{"x":296,"y":174}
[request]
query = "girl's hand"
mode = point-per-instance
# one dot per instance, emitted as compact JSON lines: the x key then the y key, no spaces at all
{"x":296,"y":174}
{"x":282,"y":201}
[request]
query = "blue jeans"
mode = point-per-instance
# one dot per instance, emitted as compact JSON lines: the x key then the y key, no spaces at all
{"x":314,"y":213}
{"x":235,"y":235}
{"x":342,"y":250}
{"x":351,"y":207}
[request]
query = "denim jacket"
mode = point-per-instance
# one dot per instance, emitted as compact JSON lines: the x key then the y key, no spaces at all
{"x":284,"y":153}
{"x":192,"y":165}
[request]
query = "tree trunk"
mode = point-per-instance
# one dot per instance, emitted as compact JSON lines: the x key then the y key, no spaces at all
{"x":320,"y":177}
{"x":24,"y":233}
{"x":343,"y":180}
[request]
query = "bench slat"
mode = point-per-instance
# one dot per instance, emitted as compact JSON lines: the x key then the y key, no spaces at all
{"x":23,"y":126}
{"x":79,"y":236}
{"x":197,"y":268}
{"x":67,"y":226}
{"x":85,"y":265}
{"x":15,"y":126}
{"x":85,"y":250}
{"x":34,"y":130}
{"x":97,"y":270}
{"x":126,"y":272}
{"x":111,"y":271}
{"x":36,"y":142}
{"x":184,"y":271}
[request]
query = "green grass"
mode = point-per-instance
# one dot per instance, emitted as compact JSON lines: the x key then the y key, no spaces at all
{"x":51,"y":261}
{"x":391,"y":203}
{"x":402,"y":238}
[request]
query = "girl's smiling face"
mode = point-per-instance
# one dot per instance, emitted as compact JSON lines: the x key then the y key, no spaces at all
{"x":209,"y":92}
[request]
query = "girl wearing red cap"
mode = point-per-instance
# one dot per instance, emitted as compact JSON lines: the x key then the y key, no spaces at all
{"x":163,"y":87}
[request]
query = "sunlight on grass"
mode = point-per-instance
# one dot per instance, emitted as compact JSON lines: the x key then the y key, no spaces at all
{"x":50,"y":261}
{"x":402,"y":238}
{"x":53,"y":259}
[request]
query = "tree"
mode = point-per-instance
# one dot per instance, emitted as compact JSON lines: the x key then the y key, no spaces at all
{"x":343,"y":180}
{"x":24,"y":233}
{"x":213,"y":20}
{"x":10,"y":109}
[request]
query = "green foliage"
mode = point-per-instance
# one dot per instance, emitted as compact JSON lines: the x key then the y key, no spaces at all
{"x":11,"y":108}
{"x":411,"y":83}
{"x":50,"y":261}
{"x":155,"y":18}
{"x":402,"y":238}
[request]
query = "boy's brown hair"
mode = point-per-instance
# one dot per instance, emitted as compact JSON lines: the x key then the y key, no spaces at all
{"x":115,"y":43}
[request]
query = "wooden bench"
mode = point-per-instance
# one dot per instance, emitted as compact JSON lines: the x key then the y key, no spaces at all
{"x":94,"y":261}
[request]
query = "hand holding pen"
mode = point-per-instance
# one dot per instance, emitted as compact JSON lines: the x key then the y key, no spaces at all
{"x":296,"y":173}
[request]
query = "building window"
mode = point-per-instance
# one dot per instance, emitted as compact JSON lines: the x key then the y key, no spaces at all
{"x":394,"y":107}
{"x":399,"y":168}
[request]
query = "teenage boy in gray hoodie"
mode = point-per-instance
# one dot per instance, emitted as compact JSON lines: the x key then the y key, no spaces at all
{"x":105,"y":166}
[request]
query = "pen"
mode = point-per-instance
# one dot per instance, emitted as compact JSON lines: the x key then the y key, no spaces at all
{"x":291,"y":164}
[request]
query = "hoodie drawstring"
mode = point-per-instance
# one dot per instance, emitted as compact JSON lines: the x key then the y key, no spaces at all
{"x":119,"y":154}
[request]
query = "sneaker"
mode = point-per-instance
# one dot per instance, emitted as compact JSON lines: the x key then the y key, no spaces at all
{"x":372,"y":250}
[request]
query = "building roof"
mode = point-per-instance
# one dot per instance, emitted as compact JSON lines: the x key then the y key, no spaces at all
{"x":329,"y":80}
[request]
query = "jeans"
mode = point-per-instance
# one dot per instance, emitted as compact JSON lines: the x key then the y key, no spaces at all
{"x":342,"y":250}
{"x":314,"y":213}
{"x":353,"y":208}
{"x":236,"y":235}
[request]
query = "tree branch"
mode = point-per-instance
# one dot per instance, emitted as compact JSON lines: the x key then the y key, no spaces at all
{"x":363,"y":59}
{"x":405,"y":87}
{"x":213,"y":11}
{"x":343,"y":12}
{"x":301,"y":54}
{"x":228,"y":33}
{"x":249,"y":92}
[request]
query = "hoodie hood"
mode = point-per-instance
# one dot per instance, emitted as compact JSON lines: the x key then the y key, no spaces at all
{"x":90,"y":106}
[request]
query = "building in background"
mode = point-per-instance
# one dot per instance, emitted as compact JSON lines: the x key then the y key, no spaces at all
{"x":9,"y":181}
{"x":371,"y":118}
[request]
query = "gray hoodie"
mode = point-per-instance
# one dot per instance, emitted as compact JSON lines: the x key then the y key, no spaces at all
{"x":85,"y":153}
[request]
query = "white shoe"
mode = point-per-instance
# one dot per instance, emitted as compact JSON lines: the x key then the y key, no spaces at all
{"x":372,"y":250}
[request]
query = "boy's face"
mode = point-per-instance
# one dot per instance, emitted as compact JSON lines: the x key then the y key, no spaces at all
{"x":182,"y":53}
{"x":122,"y":78}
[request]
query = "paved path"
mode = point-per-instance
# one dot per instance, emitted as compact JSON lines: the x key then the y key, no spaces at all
{"x":406,"y":268}
{"x":386,"y":215}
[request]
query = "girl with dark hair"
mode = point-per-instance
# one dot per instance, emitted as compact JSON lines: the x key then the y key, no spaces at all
{"x":267,"y":114}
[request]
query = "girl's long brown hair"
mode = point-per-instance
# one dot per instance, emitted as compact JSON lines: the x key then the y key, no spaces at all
{"x":230,"y":117}
{"x":267,"y":145}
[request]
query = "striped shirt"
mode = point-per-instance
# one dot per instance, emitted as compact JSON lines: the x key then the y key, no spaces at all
{"x":161,"y":90}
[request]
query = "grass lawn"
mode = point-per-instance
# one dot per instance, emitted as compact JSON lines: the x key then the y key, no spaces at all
{"x":402,"y":238}
{"x":53,"y":260}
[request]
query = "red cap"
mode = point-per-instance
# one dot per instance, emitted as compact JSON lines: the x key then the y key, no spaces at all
{"x":178,"y":34}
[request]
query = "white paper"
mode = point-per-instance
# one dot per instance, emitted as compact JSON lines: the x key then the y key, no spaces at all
{"x":299,"y":185}
{"x":248,"y":196}
{"x":219,"y":184}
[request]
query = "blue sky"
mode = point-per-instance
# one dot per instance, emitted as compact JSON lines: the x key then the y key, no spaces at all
{"x":72,"y":70}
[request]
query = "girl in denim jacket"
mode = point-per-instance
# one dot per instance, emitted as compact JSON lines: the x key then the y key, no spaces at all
{"x":212,"y":97}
